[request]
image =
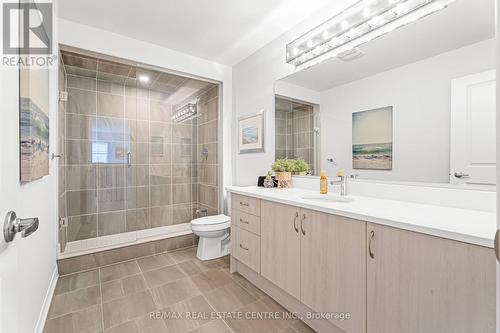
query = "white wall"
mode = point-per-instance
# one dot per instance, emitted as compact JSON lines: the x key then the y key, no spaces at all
{"x":101,"y":41}
{"x":420,"y":94}
{"x":253,"y":90}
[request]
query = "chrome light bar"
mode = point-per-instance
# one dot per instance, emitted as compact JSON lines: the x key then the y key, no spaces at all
{"x":358,"y":24}
{"x":186,"y":112}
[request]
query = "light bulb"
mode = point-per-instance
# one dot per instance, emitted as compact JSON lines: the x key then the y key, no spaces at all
{"x":295,"y":51}
{"x":400,"y":9}
{"x":325,"y":34}
{"x":367,"y":12}
{"x":144,"y":78}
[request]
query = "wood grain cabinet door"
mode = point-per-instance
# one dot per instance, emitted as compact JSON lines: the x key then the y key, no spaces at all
{"x":280,"y":246}
{"x":419,"y":283}
{"x":333,"y":267}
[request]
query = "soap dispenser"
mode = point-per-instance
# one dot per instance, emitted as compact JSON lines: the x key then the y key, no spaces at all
{"x":323,"y":183}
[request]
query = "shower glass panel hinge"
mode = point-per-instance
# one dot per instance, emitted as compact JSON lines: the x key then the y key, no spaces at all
{"x":63,"y":222}
{"x":63,"y":96}
{"x":63,"y":233}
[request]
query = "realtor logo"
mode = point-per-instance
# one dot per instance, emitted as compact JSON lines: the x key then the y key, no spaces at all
{"x":27,"y":28}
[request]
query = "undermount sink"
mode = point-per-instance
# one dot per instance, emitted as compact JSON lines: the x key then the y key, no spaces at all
{"x":327,"y":198}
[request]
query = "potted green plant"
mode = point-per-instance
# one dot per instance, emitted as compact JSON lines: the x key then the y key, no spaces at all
{"x":283,"y":170}
{"x":300,"y":167}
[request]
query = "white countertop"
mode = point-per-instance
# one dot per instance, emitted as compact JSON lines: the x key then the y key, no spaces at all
{"x":469,"y":226}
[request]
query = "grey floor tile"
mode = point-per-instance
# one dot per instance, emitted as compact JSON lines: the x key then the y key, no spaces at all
{"x":190,"y":267}
{"x":76,"y":281}
{"x":88,"y":320}
{"x":74,"y":301}
{"x":174,"y":292}
{"x":300,"y":327}
{"x":249,"y":287}
{"x":184,"y":255}
{"x":197,"y":305}
{"x":112,"y":290}
{"x":124,"y":309}
{"x":210,"y":280}
{"x":229,"y":297}
{"x":118,"y":271}
{"x":163,"y":275}
{"x":215,"y":326}
{"x":134,"y":283}
{"x":155,"y":262}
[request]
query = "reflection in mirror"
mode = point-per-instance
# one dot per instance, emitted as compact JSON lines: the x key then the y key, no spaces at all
{"x":297,"y":131}
{"x":415,"y":105}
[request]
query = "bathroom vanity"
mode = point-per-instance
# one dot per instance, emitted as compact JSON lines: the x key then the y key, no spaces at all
{"x":369,"y":265}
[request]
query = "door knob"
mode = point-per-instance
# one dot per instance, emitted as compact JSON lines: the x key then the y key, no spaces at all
{"x":13,"y":225}
{"x":461,"y":175}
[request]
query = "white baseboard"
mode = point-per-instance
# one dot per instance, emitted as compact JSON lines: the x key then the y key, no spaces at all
{"x":46,"y":302}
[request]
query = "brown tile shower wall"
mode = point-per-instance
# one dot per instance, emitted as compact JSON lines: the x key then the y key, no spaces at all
{"x":164,"y":183}
{"x":207,"y":158}
{"x":294,"y":135}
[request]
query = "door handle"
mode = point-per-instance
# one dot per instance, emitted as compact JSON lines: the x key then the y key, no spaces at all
{"x":13,"y":225}
{"x":461,"y":175}
{"x":295,"y":222}
{"x":302,"y":224}
{"x":370,"y":252}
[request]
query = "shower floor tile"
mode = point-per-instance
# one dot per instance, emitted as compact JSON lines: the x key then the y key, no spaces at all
{"x":172,"y":292}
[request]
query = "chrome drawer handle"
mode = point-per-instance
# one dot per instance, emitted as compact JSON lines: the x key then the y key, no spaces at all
{"x":302,"y":224}
{"x":243,"y":221}
{"x":244,"y":248}
{"x":370,"y":252}
{"x":295,"y":222}
{"x":244,"y":204}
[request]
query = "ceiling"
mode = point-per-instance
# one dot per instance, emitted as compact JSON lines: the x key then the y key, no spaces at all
{"x":225,"y":31}
{"x":174,"y":89}
{"x":463,"y":23}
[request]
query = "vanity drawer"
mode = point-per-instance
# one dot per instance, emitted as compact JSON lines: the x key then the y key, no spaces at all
{"x":246,"y":204}
{"x":246,"y":221}
{"x":245,"y":247}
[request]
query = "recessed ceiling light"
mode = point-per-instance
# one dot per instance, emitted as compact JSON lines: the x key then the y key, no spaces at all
{"x":144,"y":78}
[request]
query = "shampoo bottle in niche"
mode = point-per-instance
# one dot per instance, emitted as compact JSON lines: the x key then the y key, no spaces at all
{"x":323,"y":183}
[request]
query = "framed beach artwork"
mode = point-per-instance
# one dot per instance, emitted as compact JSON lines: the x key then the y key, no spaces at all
{"x":251,"y":133}
{"x":33,"y":123}
{"x":372,"y":139}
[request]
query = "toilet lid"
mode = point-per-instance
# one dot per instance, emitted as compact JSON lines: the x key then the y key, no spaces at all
{"x":211,"y":220}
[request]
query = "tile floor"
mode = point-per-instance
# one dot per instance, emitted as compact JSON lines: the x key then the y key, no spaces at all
{"x":122,"y":297}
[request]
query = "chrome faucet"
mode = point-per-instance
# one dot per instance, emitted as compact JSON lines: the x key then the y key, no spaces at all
{"x":342,"y":180}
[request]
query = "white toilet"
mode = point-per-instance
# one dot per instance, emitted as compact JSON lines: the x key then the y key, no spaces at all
{"x":214,"y":236}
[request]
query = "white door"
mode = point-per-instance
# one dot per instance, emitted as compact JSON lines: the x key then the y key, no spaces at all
{"x":473,"y":129}
{"x":27,"y":265}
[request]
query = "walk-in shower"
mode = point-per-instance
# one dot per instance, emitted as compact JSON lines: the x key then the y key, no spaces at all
{"x":139,"y":151}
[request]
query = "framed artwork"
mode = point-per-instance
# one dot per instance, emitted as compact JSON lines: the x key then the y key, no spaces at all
{"x":33,"y":123}
{"x":372,"y":139}
{"x":251,"y":133}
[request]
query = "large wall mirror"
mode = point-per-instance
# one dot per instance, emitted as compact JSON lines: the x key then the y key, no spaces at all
{"x":415,"y":105}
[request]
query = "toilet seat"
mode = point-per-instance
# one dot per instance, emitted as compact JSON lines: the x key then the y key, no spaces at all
{"x":211,"y":223}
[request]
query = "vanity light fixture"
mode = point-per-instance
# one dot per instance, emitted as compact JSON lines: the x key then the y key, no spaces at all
{"x":186,"y":112}
{"x":358,"y":24}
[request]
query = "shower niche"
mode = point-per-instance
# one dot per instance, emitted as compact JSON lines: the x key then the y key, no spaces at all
{"x":139,"y":151}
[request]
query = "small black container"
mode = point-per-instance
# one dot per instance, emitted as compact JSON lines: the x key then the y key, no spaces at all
{"x":260,"y":182}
